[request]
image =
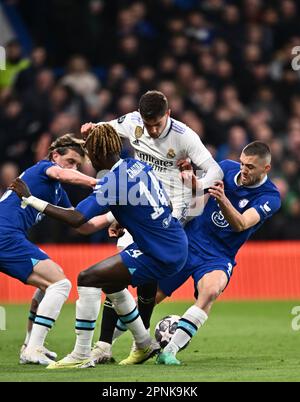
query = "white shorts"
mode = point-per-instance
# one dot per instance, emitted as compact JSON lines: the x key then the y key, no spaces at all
{"x":125,"y":240}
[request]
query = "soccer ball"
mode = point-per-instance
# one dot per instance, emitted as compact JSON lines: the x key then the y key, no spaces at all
{"x":165,"y":329}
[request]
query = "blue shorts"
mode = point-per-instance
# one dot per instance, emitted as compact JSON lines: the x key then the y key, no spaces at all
{"x":145,"y":268}
{"x":18,"y":256}
{"x":197,"y":266}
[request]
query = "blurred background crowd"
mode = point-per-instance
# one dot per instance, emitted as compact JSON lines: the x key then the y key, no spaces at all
{"x":225,"y":67}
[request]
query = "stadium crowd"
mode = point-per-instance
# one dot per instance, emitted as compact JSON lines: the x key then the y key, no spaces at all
{"x":224,"y":66}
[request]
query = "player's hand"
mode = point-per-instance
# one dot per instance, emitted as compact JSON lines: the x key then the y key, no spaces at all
{"x":217,"y":191}
{"x":115,"y":230}
{"x":183,"y":164}
{"x":86,"y":128}
{"x":20,"y":187}
{"x":189,"y":179}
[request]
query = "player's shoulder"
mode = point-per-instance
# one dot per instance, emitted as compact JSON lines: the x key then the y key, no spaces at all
{"x":177,"y":127}
{"x":40,"y":167}
{"x":270,"y":188}
{"x":128,"y":163}
{"x":132,"y":117}
{"x":228,"y":165}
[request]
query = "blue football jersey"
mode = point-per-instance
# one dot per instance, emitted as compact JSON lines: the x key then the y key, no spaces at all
{"x":15,"y":218}
{"x":211,"y":233}
{"x":132,"y":192}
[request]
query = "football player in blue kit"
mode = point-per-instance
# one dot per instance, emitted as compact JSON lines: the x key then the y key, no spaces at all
{"x":134,"y":195}
{"x":236,"y":208}
{"x":21,"y":259}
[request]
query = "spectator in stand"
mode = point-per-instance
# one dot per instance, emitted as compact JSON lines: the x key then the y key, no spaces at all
{"x":224,"y":66}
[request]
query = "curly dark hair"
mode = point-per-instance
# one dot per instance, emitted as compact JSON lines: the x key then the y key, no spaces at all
{"x":102,"y":141}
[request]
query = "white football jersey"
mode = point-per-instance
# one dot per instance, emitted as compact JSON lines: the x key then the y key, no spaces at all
{"x":176,"y":142}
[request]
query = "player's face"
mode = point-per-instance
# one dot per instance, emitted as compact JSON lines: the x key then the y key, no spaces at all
{"x":156,"y":126}
{"x":253,"y":169}
{"x":71,"y":160}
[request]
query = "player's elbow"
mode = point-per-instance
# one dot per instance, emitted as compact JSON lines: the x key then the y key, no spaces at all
{"x":83,"y":230}
{"x":76,"y":220}
{"x":62,"y":175}
{"x":238,"y":227}
{"x":220,"y":173}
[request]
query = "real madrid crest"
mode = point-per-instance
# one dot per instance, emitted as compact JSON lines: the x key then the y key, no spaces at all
{"x":138,"y":132}
{"x":171,"y":153}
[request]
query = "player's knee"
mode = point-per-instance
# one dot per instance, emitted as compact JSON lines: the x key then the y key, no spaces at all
{"x":64,"y":287}
{"x":160,"y":296}
{"x":85,"y":278}
{"x":211,"y":293}
{"x":147,"y":292}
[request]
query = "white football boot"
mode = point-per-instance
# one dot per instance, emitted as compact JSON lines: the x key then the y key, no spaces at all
{"x":102,"y":353}
{"x":51,"y":355}
{"x":35,"y":356}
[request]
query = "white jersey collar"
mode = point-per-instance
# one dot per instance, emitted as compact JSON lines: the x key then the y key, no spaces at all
{"x":254,"y":186}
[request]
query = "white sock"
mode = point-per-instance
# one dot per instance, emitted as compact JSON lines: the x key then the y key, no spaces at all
{"x":38,"y":297}
{"x":48,"y":311}
{"x":87,"y":311}
{"x":127,"y":311}
{"x":187,"y":327}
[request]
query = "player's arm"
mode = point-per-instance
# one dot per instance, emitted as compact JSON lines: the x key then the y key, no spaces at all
{"x":71,"y":217}
{"x":96,"y":223}
{"x":70,"y":176}
{"x":121,"y":125}
{"x":239,"y":222}
{"x":202,"y":158}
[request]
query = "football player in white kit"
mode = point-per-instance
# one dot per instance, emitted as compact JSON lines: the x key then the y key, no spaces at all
{"x":162,"y":142}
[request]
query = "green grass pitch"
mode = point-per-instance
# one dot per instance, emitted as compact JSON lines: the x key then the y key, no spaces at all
{"x":244,"y":341}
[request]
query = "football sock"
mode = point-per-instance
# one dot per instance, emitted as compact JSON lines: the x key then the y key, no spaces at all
{"x":146,"y":301}
{"x":187,"y":327}
{"x":119,"y":330}
{"x":127,"y":311}
{"x":109,"y":322}
{"x":87,"y":311}
{"x":48,"y":311}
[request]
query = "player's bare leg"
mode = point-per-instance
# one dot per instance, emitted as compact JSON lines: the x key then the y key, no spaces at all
{"x":50,"y":279}
{"x":35,"y":302}
{"x":209,"y":287}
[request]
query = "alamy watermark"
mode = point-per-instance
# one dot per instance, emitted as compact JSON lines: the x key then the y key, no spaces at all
{"x":2,"y":58}
{"x":135,"y":186}
{"x":296,"y":60}
{"x":296,"y":320}
{"x":2,"y":319}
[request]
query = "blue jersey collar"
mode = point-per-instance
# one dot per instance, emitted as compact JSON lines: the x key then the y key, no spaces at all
{"x":117,"y":164}
{"x":254,"y":186}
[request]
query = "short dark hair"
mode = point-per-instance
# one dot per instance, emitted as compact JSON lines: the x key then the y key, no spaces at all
{"x":153,"y":104}
{"x":258,"y":148}
{"x":62,"y":144}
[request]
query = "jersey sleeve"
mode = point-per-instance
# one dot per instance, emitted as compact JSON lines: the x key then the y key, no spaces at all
{"x":103,"y":196}
{"x":266,"y":206}
{"x":195,"y":149}
{"x":44,"y":166}
{"x":64,"y":200}
{"x":122,"y":125}
{"x":90,"y":207}
{"x":228,"y":164}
